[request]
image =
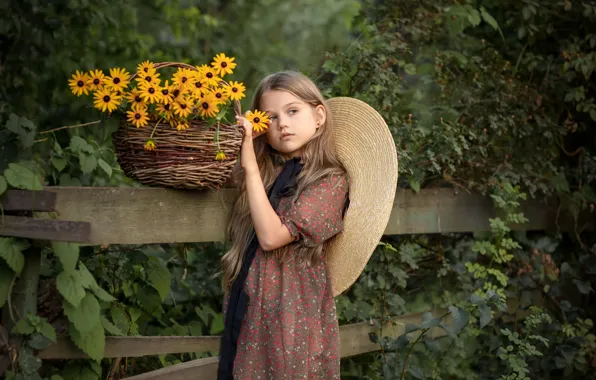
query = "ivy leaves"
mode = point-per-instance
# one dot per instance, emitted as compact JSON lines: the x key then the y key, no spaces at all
{"x":81,"y":305}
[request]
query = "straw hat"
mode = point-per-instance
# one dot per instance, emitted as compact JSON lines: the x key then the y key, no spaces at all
{"x":367,"y":151}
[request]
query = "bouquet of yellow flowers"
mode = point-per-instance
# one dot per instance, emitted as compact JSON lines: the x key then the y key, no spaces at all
{"x":180,"y":121}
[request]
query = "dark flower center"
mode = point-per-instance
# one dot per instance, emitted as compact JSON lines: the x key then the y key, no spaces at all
{"x":96,"y":81}
{"x":256,"y":120}
{"x":146,"y":69}
{"x":176,"y":93}
{"x":165,"y":91}
{"x":151,"y":90}
{"x":80,"y":83}
{"x":106,"y":98}
{"x":183,"y":106}
{"x":137,"y":116}
{"x":199,"y":84}
{"x":205,"y":105}
{"x":224,"y":64}
{"x":116,"y":80}
{"x":234,"y":89}
{"x":138,"y":99}
{"x":218,"y":95}
{"x":209,"y":75}
{"x":184,"y":79}
{"x":148,"y":78}
{"x":167,"y":107}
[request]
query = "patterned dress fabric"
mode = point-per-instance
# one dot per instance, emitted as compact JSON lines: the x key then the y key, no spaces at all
{"x":290,"y":330}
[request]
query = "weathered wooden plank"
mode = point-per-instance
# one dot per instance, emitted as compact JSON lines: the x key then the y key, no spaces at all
{"x":123,"y":215}
{"x":23,"y":200}
{"x":354,"y":340}
{"x":31,"y":228}
{"x":134,"y":346}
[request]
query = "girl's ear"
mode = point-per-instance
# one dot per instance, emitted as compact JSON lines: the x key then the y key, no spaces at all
{"x":320,"y":115}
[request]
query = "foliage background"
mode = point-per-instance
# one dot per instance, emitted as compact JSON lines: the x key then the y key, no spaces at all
{"x":489,"y":96}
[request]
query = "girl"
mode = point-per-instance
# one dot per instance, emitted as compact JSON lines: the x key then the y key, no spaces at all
{"x":280,"y":317}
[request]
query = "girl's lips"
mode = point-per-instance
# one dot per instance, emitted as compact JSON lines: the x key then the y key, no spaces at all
{"x":286,"y":135}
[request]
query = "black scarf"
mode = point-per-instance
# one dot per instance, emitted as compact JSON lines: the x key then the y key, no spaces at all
{"x":238,"y":302}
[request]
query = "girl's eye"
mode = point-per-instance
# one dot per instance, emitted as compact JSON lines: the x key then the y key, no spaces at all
{"x":292,"y":111}
{"x":272,"y":118}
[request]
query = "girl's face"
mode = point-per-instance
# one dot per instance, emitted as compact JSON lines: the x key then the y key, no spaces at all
{"x":293,"y":121}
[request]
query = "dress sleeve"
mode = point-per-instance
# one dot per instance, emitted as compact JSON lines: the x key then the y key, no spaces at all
{"x":317,"y":214}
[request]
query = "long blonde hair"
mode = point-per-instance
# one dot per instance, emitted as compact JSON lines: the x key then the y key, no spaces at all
{"x":319,"y":159}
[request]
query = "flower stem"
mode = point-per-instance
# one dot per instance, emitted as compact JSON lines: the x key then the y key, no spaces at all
{"x":70,"y":126}
{"x":155,"y":127}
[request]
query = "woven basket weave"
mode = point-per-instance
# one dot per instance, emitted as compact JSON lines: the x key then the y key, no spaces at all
{"x":183,"y":159}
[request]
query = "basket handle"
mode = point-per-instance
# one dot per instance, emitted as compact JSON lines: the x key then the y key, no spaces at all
{"x":235,"y":103}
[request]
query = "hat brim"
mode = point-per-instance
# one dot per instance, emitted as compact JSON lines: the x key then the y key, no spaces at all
{"x":367,"y":151}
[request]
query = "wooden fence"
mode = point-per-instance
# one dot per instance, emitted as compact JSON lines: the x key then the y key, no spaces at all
{"x":124,"y":215}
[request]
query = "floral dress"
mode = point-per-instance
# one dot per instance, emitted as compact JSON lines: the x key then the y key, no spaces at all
{"x":290,"y":330}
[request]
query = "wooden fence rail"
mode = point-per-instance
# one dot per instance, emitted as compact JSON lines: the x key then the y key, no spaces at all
{"x":123,"y":215}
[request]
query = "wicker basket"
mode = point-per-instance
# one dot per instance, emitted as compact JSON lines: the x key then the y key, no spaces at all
{"x":184,"y":159}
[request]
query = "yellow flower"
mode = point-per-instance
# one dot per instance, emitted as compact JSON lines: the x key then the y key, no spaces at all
{"x":208,"y":106}
{"x":166,"y":97}
{"x":199,"y":88}
{"x":79,"y":83}
{"x":182,"y":107}
{"x":149,"y":145}
{"x":96,"y":79}
{"x":151,"y":77}
{"x":145,"y":68}
{"x":138,"y":116}
{"x":106,"y":99}
{"x":177,"y":91}
{"x":150,"y":92}
{"x":165,"y":110}
{"x":211,"y":77}
{"x":220,"y":95}
{"x":258,"y":119}
{"x":118,"y":79}
{"x":183,"y":77}
{"x":235,"y":90}
{"x":182,"y":125}
{"x":135,"y":98}
{"x":223,"y":65}
{"x":220,"y":156}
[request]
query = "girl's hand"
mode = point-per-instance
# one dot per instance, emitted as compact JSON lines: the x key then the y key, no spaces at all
{"x":247,"y":125}
{"x":248,"y":160}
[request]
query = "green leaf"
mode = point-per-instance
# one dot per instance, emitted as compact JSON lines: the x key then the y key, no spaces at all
{"x":6,"y":276}
{"x":217,"y":326}
{"x":414,"y":184}
{"x":149,"y":300}
{"x":67,"y":180}
{"x":460,"y":318}
{"x":69,"y":286}
{"x":159,"y":277}
{"x":28,"y":362}
{"x":105,"y":166}
{"x":86,"y":279}
{"x":23,"y":327}
{"x":583,"y":287}
{"x":485,"y":315}
{"x":68,"y":253}
{"x":92,"y":342}
{"x":23,"y":127}
{"x":88,"y":162}
{"x":110,"y":327}
{"x":3,"y":184}
{"x":429,"y":321}
{"x":86,"y":315}
{"x":21,"y":177}
{"x":59,"y":163}
{"x":78,"y":145}
{"x":11,"y":251}
{"x":102,"y":294}
{"x":39,"y":342}
{"x":593,"y":114}
{"x":120,"y":319}
{"x":48,"y":331}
